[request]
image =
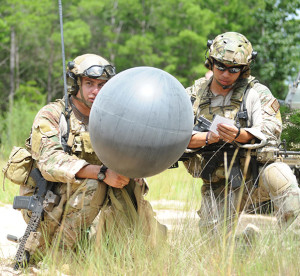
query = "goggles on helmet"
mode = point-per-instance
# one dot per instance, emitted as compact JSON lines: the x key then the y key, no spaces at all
{"x":96,"y":71}
{"x":221,"y":67}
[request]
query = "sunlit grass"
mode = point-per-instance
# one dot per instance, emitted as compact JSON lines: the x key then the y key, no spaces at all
{"x":186,"y":252}
{"x":175,"y":184}
{"x":9,"y":190}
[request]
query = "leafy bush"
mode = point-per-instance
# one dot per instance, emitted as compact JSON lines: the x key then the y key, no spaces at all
{"x":291,"y":128}
{"x":16,"y":125}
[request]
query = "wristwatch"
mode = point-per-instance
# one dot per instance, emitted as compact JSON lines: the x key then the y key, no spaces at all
{"x":101,"y":175}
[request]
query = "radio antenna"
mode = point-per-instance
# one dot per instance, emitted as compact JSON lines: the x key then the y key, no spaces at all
{"x":63,"y":55}
{"x":66,"y":114}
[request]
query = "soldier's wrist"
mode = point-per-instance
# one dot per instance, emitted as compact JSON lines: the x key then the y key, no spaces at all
{"x":102,"y":173}
{"x":238,"y":133}
{"x":207,"y":139}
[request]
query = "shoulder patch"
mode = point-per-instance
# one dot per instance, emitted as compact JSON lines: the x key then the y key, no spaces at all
{"x":275,"y":105}
{"x":45,"y":128}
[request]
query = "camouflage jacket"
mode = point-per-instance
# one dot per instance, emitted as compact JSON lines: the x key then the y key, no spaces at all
{"x":271,"y":125}
{"x":46,"y":149}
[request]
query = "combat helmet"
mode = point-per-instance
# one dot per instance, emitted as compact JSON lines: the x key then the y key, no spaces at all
{"x":88,"y":65}
{"x":233,"y":49}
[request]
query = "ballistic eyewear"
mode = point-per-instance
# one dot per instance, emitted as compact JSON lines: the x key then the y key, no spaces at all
{"x":96,"y":71}
{"x":221,"y":67}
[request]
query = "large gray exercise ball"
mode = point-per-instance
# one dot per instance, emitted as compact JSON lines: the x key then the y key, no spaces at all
{"x":141,"y":122}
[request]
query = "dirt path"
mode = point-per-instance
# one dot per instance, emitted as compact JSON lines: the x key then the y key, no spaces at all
{"x":11,"y":223}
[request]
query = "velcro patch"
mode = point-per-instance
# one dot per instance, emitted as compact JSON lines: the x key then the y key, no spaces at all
{"x":275,"y":105}
{"x":86,"y":142}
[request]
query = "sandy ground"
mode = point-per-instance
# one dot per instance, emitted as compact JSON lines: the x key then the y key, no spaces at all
{"x":167,"y":212}
{"x":11,"y":223}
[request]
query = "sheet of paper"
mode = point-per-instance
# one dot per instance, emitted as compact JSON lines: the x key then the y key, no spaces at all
{"x":220,"y":120}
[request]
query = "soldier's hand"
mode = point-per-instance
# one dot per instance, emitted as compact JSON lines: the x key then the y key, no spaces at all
{"x":212,"y":137}
{"x":227,"y":133}
{"x":115,"y":180}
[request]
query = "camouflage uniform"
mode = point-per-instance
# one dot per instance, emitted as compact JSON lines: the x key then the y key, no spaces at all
{"x":272,"y":124}
{"x":81,"y":199}
{"x":271,"y":118}
{"x":275,"y":181}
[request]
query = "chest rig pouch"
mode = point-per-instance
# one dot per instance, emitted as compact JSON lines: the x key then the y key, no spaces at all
{"x":84,"y":149}
{"x":212,"y":157}
{"x":79,"y":141}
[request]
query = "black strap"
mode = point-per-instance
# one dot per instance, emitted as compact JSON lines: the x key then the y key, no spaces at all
{"x":242,"y":114}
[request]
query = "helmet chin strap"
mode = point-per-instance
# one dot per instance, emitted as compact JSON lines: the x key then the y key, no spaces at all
{"x":225,"y":86}
{"x":82,"y":99}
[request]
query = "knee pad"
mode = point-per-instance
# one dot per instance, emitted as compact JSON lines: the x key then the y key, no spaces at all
{"x":278,"y":177}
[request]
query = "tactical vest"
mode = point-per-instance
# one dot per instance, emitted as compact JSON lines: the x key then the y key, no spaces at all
{"x":211,"y":164}
{"x":79,"y":140}
{"x":235,"y":111}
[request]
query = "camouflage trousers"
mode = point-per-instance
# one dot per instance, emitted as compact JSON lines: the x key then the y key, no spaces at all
{"x":276,"y":185}
{"x":126,"y":213}
{"x":79,"y":206}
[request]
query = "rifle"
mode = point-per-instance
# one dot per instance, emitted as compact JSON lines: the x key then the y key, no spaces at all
{"x":202,"y":125}
{"x":271,"y":154}
{"x":214,"y":155}
{"x":42,"y":199}
{"x":264,"y":155}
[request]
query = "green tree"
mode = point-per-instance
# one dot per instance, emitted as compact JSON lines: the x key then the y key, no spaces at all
{"x":170,"y":35}
{"x":291,"y":128}
{"x":278,"y":44}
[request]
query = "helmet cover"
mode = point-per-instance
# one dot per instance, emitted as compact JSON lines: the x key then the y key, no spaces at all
{"x":231,"y":48}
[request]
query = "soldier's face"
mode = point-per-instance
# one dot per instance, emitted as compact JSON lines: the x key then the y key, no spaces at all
{"x":90,"y":88}
{"x":225,"y":77}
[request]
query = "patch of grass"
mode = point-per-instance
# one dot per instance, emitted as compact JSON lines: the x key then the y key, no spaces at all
{"x":186,"y":252}
{"x":10,"y":189}
{"x":174,"y":184}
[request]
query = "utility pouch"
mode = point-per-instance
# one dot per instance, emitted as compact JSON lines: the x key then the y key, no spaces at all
{"x":235,"y":176}
{"x":215,"y":159}
{"x":212,"y":162}
{"x":18,"y":166}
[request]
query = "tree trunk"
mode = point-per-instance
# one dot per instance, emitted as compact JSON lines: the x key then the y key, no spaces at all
{"x":17,"y":65}
{"x":50,"y":69}
{"x":12,"y":82}
{"x":12,"y":69}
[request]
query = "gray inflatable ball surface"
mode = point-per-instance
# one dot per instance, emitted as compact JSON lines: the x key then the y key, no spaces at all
{"x":141,"y":122}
